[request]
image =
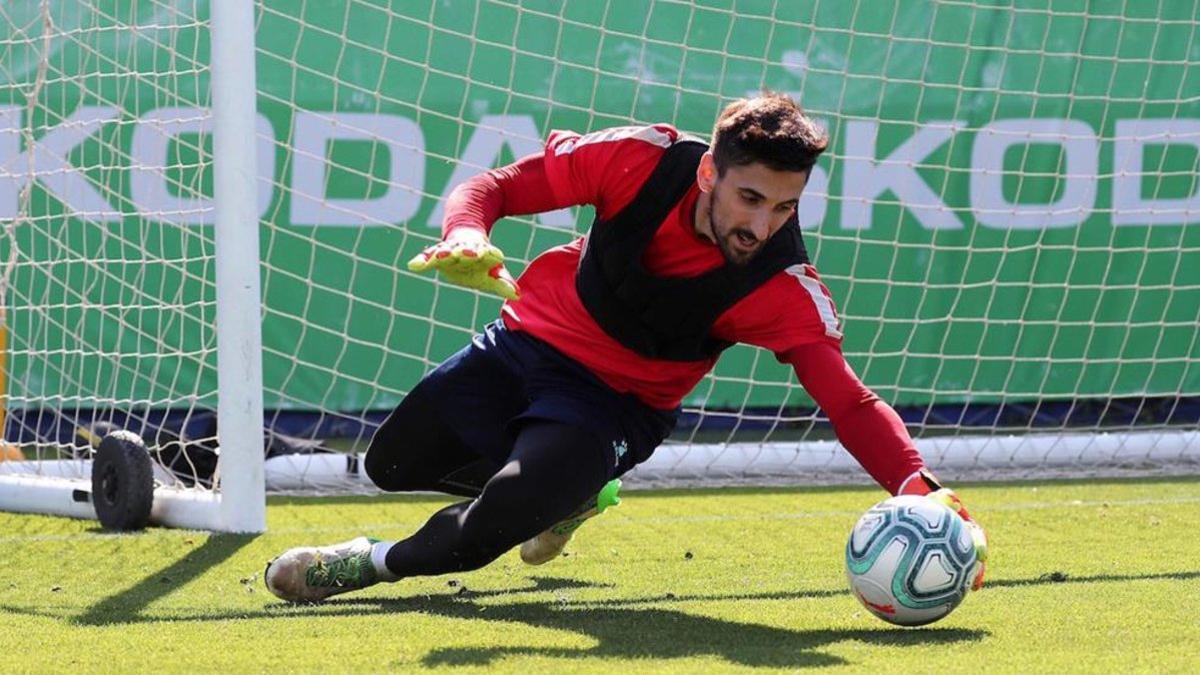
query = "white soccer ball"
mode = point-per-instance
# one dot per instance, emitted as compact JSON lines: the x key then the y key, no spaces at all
{"x":910,"y":560}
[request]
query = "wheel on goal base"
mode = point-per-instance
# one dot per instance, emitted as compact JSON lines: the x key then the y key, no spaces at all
{"x":122,"y":482}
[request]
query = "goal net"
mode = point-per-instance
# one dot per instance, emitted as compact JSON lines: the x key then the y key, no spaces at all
{"x":1005,"y":219}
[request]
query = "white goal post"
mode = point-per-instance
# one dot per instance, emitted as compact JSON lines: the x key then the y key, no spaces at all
{"x":239,"y":296}
{"x":206,"y":206}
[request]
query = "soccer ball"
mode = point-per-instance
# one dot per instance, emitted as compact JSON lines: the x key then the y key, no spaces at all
{"x":910,"y":560}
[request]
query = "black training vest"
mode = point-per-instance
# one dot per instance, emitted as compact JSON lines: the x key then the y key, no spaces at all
{"x":669,"y":318}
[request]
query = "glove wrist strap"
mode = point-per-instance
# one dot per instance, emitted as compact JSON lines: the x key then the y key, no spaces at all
{"x":920,"y":483}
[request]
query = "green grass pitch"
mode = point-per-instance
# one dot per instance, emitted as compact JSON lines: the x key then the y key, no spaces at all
{"x":1086,"y":576}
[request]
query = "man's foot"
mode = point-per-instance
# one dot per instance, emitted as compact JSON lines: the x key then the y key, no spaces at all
{"x":549,"y":544}
{"x":311,"y":574}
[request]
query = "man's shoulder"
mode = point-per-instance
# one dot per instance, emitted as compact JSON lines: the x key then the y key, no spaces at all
{"x":646,"y":137}
{"x":606,"y":167}
{"x":799,"y":288}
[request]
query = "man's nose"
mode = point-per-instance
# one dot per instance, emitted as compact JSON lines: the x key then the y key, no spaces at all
{"x":760,"y":225}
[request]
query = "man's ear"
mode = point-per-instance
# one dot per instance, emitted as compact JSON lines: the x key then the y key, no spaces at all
{"x":706,"y":173}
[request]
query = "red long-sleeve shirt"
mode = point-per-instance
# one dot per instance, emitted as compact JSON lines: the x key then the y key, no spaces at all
{"x":791,"y":314}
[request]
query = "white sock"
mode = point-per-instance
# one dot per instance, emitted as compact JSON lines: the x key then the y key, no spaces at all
{"x":378,"y":556}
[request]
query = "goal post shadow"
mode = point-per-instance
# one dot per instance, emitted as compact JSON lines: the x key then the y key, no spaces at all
{"x":126,"y":606}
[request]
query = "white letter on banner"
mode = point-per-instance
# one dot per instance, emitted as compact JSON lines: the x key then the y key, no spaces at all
{"x":492,"y":133}
{"x":1079,"y":173}
{"x":864,"y":178}
{"x":10,"y":146}
{"x":310,"y":166}
{"x":47,"y":159}
{"x":1129,"y":152}
{"x":149,"y":165}
{"x":813,"y":202}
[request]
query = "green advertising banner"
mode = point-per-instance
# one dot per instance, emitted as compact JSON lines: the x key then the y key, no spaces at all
{"x":1009,"y":209}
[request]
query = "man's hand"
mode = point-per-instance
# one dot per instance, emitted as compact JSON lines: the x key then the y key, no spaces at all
{"x":946,"y":496}
{"x":466,"y":258}
{"x":925,"y":484}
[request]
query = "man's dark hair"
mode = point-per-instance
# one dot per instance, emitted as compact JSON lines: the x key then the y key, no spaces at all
{"x":771,"y":129}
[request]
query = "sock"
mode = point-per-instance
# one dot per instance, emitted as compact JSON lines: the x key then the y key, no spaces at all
{"x":378,"y":557}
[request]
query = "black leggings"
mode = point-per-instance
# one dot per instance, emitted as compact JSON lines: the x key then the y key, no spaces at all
{"x":554,"y":469}
{"x":415,"y":451}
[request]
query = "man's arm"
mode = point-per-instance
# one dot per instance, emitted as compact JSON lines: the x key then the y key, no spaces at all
{"x":465,"y":256}
{"x":603,"y":168}
{"x":867,"y":426}
{"x":872,"y":431}
{"x":518,"y":189}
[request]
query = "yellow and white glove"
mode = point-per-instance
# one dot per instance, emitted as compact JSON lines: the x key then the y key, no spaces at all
{"x":467,"y":258}
{"x":925,"y":484}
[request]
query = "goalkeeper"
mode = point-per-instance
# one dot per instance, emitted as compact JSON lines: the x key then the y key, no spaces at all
{"x":694,"y":248}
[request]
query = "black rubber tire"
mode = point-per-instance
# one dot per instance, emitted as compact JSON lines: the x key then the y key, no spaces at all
{"x":122,"y":482}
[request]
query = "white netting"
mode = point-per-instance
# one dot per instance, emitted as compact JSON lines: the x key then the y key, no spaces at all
{"x":1004,"y":217}
{"x":107,"y":287}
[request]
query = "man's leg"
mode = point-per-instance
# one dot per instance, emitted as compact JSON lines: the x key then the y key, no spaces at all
{"x":549,"y":543}
{"x":415,"y":450}
{"x":553,"y":468}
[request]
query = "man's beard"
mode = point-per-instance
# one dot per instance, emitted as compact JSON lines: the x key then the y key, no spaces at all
{"x":731,"y":255}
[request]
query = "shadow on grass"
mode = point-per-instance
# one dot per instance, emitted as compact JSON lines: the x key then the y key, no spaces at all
{"x":622,"y":630}
{"x":636,"y":628}
{"x":655,"y":633}
{"x":127,"y":605}
{"x":619,"y":628}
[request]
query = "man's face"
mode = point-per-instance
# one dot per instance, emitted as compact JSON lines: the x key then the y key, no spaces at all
{"x":748,"y":205}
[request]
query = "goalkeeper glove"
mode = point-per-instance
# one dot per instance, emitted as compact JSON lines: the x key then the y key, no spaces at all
{"x":924,"y":483}
{"x":466,"y":258}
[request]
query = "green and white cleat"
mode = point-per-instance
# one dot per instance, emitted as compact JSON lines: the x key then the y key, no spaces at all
{"x":311,"y":574}
{"x":549,"y":544}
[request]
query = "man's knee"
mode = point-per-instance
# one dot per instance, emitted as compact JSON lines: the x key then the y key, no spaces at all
{"x":383,"y":468}
{"x":415,"y":450}
{"x":391,"y":457}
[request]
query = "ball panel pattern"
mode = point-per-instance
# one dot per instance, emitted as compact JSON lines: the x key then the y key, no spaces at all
{"x":910,"y":560}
